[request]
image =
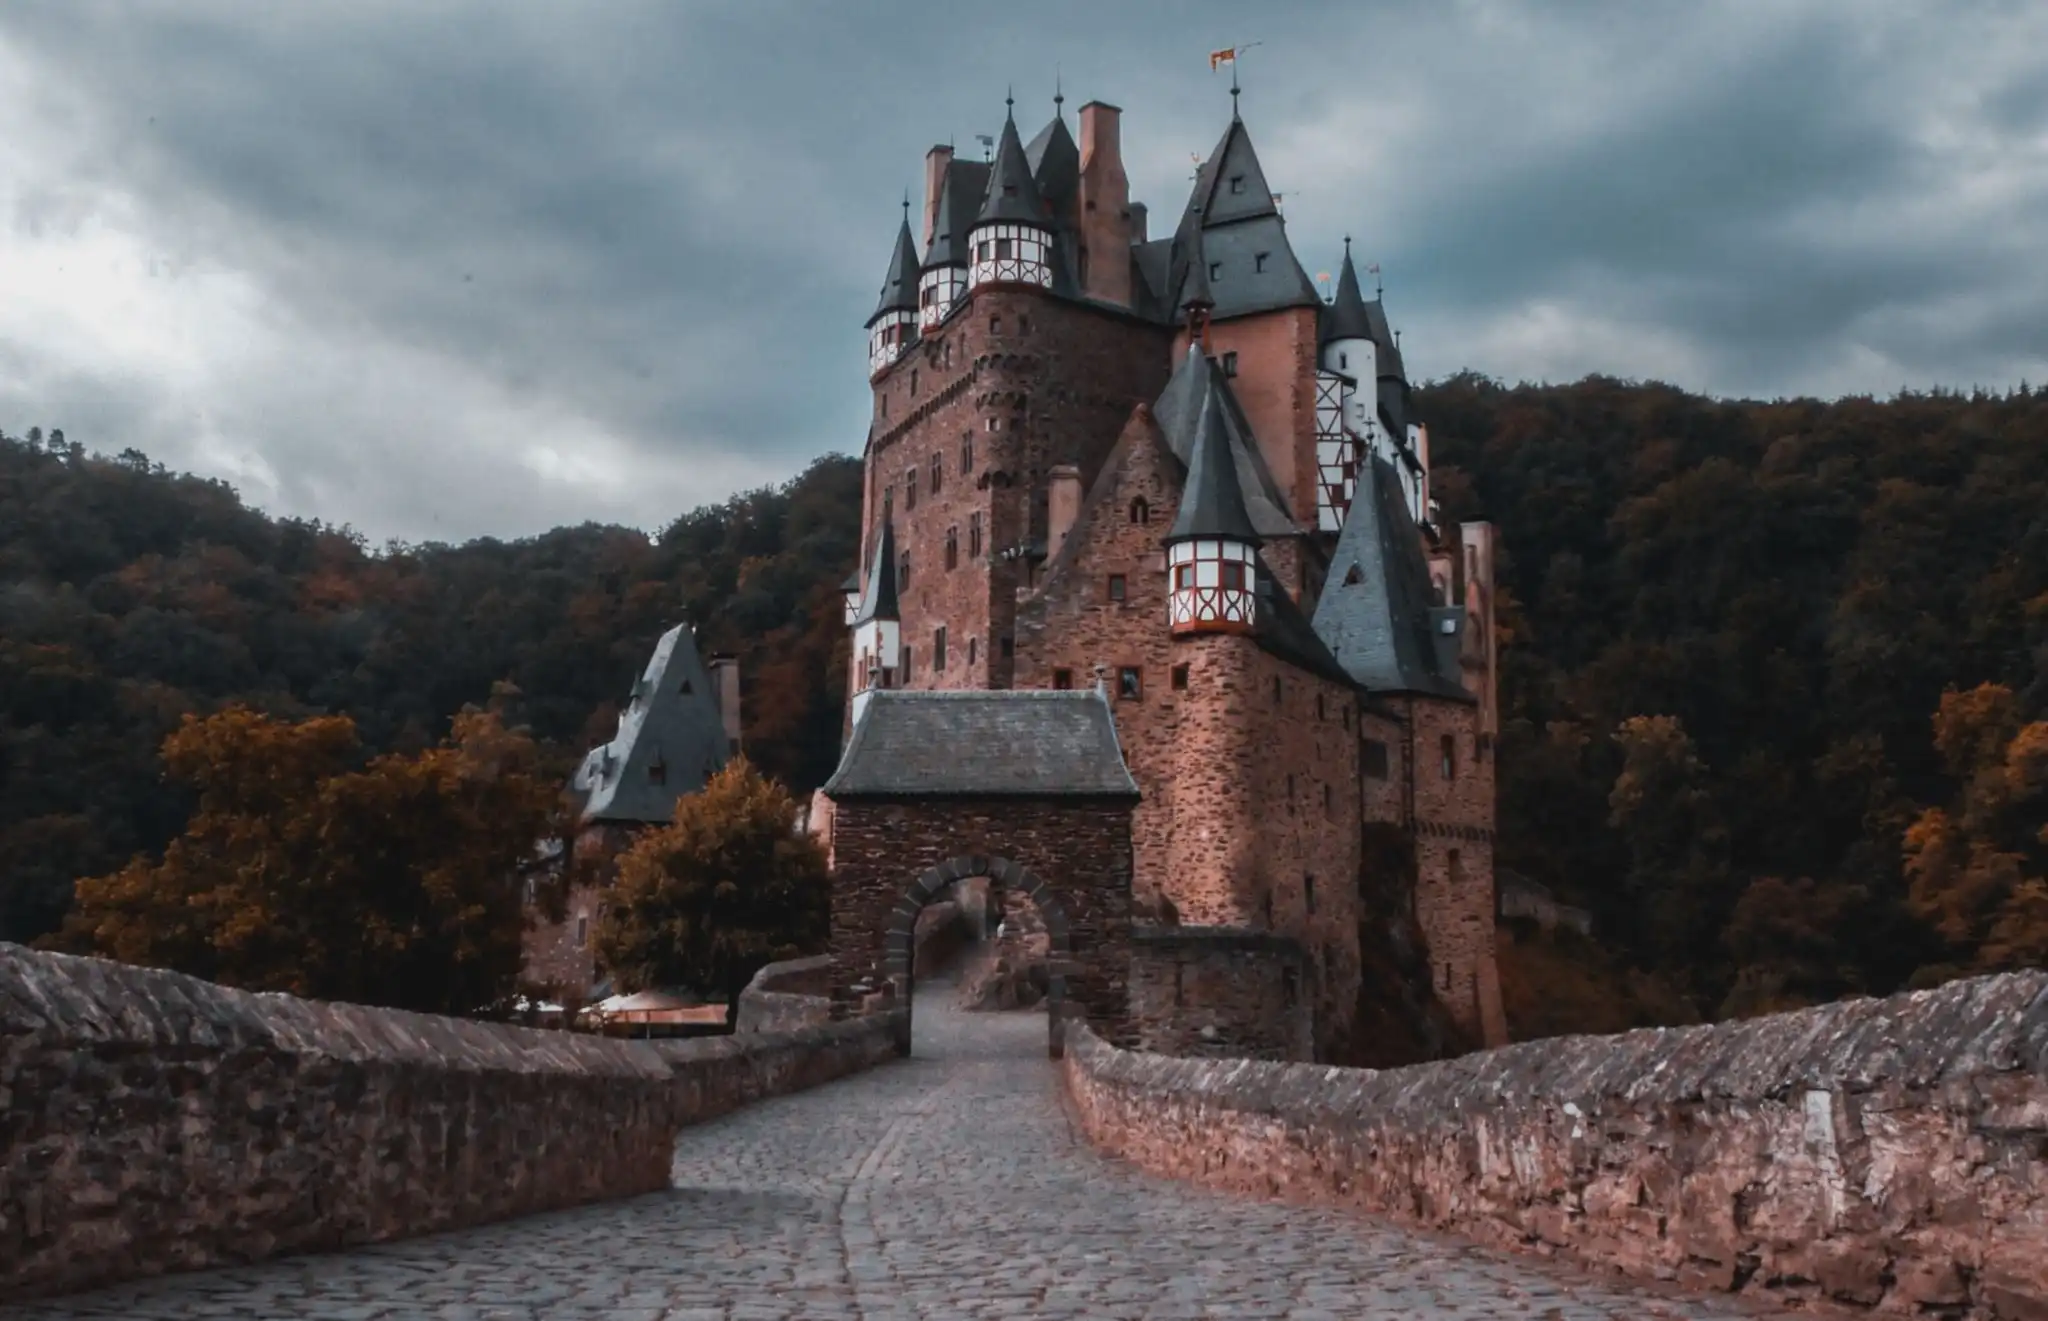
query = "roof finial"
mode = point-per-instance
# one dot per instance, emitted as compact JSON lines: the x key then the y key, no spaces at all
{"x":906,"y":206}
{"x":1010,"y":99}
{"x":1059,"y":96}
{"x":1379,"y":287}
{"x":1233,"y":90}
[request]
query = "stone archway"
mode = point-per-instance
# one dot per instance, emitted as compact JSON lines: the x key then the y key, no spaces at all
{"x":900,"y":942}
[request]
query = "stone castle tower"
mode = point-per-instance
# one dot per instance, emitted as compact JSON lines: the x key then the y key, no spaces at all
{"x":1169,"y":463}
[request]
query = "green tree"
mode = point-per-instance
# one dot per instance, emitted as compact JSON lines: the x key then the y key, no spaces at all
{"x":727,"y":886}
{"x":1677,"y":883}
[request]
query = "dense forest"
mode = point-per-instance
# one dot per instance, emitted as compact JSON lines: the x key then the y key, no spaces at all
{"x":1774,"y":690}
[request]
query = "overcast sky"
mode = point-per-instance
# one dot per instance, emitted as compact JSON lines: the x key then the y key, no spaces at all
{"x":454,"y":269}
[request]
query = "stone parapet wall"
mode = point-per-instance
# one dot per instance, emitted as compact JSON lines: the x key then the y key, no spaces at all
{"x":787,"y":996}
{"x":155,"y":1122}
{"x":1219,"y":992}
{"x":1884,"y":1154}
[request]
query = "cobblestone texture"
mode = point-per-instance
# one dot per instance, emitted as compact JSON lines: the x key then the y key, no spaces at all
{"x":948,"y":1186}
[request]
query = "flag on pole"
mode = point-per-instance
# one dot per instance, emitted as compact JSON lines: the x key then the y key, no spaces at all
{"x":1219,"y":58}
{"x":1373,"y":269}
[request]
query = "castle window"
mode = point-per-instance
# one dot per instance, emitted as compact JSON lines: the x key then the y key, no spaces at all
{"x":995,"y":325}
{"x":1308,"y":893}
{"x":1180,"y":678}
{"x":910,"y":490}
{"x":1023,"y":324}
{"x":657,"y":771}
{"x":1116,"y":587}
{"x":1375,"y":759}
{"x":1009,"y":648}
{"x":967,"y":454}
{"x":1343,"y":362}
{"x":1140,"y":511}
{"x":883,"y":403}
{"x":939,"y":649}
{"x":1447,"y":974}
{"x":938,"y":473}
{"x":1231,"y":573}
{"x":1130,"y":683}
{"x":903,"y":571}
{"x":582,"y":931}
{"x":1236,"y":183}
{"x":974,"y":535}
{"x":1259,"y":260}
{"x":952,"y":548}
{"x":1003,"y":245}
{"x":1266,"y":909}
{"x":913,"y":382}
{"x":904,"y":673}
{"x":1230,"y":363}
{"x":1062,"y":680}
{"x":971,"y":650}
{"x":1455,"y":871}
{"x":1329,"y":803}
{"x":1290,"y":987}
{"x":1278,"y":691}
{"x":1449,"y":746}
{"x":1215,"y":270}
{"x":993,"y":423}
{"x":1320,"y":714}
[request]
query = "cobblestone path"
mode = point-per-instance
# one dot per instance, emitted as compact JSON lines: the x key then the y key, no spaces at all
{"x":947,"y":1186}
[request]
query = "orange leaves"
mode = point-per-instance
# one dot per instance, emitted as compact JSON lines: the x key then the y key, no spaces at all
{"x":399,"y":882}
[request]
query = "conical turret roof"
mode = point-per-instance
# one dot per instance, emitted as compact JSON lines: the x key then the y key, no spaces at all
{"x":670,"y":739}
{"x":1012,"y":196}
{"x":899,"y":286}
{"x":879,"y":600}
{"x":1212,"y":503}
{"x":1347,"y":317}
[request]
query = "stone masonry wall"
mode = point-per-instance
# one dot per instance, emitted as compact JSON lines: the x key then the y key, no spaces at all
{"x":1885,"y":1154}
{"x":1079,"y":849}
{"x":156,"y":1122}
{"x":1206,"y":991}
{"x":1276,"y":384}
{"x":786,"y":996}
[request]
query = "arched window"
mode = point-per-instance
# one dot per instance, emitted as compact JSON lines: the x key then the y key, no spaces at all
{"x":1141,"y":512}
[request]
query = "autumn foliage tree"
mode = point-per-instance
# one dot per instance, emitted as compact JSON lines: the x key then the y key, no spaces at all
{"x":1978,"y":868}
{"x":727,"y":886}
{"x":305,"y":868}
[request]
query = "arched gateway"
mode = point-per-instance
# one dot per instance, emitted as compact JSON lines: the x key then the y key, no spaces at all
{"x":1027,"y":788}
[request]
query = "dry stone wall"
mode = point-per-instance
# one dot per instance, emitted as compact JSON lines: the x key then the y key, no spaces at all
{"x":155,"y":1122}
{"x":1883,"y":1154}
{"x":786,"y":996}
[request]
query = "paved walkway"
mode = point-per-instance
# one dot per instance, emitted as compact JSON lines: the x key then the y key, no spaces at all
{"x":948,"y":1186}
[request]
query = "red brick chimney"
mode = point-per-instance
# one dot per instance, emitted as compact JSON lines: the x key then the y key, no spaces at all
{"x":1105,"y":206}
{"x":935,"y":162}
{"x":1062,"y":506}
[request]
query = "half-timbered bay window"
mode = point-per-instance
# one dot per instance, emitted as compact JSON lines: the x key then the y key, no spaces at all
{"x":1212,"y":584}
{"x":939,"y":290}
{"x":889,"y":338}
{"x":1010,"y":254}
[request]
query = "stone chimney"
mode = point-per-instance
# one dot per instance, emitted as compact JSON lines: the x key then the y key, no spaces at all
{"x":935,"y":162}
{"x":1062,"y":506}
{"x":1105,"y":206}
{"x":725,"y":682}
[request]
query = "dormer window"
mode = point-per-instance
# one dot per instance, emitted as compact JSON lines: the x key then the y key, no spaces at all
{"x":1236,"y":183}
{"x":1259,"y":261}
{"x":1230,"y":363}
{"x":1215,"y":271}
{"x":657,"y":771}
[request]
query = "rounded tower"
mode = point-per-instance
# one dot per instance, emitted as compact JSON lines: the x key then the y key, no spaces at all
{"x":943,"y":282}
{"x":1212,"y":552}
{"x":1349,"y":349}
{"x":893,"y":327}
{"x":1011,"y":241}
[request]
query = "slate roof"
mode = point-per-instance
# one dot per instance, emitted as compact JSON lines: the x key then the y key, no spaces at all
{"x":672,"y":721}
{"x":1211,"y":501}
{"x":1279,"y":627}
{"x":1374,"y":614}
{"x":1346,"y":317}
{"x":1012,"y":196}
{"x":879,"y":600}
{"x":1235,"y":229}
{"x":959,"y":199}
{"x":899,"y":286}
{"x":1010,"y":742}
{"x":1179,"y":410}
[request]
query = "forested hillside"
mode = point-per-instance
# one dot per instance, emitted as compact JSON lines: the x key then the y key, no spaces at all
{"x":1730,"y":628}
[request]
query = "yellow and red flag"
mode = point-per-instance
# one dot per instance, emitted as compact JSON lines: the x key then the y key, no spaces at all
{"x":1219,"y":58}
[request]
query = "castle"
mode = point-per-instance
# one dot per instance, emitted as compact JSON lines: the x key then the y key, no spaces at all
{"x":1169,"y":468}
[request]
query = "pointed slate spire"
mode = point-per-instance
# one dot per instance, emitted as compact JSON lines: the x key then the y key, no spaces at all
{"x":1012,"y":196}
{"x":1194,"y":293}
{"x":899,"y":286}
{"x":879,"y":601}
{"x":1374,"y":613}
{"x":1212,"y":503}
{"x":1347,"y":317}
{"x":670,"y":739}
{"x":950,"y":224}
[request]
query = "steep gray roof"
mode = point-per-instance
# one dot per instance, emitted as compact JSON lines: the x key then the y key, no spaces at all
{"x":1012,"y":196}
{"x":879,"y":600}
{"x":1212,"y":502}
{"x":1279,"y":627}
{"x":959,"y":199}
{"x":1374,"y":614}
{"x":899,"y":286}
{"x":671,"y":726}
{"x":1346,"y":317}
{"x":1013,"y":742}
{"x":1179,"y":410}
{"x":1055,"y":163}
{"x":1237,"y":228}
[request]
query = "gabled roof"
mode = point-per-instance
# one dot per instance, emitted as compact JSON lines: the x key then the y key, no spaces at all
{"x":1179,"y":410}
{"x":899,"y":286}
{"x":1212,"y":502}
{"x":1233,"y":184}
{"x":1012,"y":196}
{"x":1194,"y":279}
{"x":670,"y":729}
{"x":1007,"y":743}
{"x":879,"y":600}
{"x":1241,"y":234}
{"x":1374,"y":614}
{"x":959,"y":199}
